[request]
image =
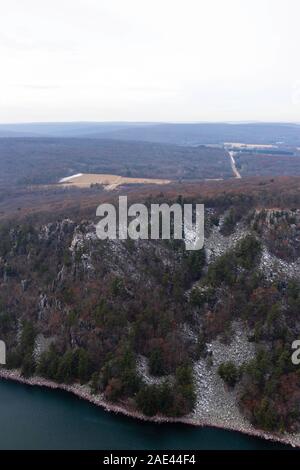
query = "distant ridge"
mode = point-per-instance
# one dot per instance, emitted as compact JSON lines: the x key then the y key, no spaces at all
{"x":169,"y":133}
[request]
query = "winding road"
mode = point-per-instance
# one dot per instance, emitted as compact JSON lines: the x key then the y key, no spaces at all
{"x":233,"y":165}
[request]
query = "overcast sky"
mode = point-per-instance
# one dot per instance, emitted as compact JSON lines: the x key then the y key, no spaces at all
{"x":149,"y":60}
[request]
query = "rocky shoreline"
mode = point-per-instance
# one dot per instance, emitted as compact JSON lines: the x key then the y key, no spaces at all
{"x":83,"y":392}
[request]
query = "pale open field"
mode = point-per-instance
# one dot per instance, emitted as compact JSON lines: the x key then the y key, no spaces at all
{"x":110,"y":182}
{"x":249,"y":146}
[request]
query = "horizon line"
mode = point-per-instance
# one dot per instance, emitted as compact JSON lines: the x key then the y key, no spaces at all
{"x":20,"y":123}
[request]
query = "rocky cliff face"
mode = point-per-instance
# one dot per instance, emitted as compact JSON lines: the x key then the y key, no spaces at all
{"x":206,"y":334}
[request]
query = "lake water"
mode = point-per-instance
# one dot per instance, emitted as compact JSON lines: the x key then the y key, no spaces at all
{"x":35,"y":418}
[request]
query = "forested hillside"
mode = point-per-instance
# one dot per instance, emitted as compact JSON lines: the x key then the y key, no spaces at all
{"x":40,"y":161}
{"x":154,"y":327}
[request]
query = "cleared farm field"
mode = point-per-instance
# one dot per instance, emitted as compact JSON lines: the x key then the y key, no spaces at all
{"x":109,"y":182}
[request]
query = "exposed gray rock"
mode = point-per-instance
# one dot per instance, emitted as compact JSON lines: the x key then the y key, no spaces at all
{"x":143,"y":371}
{"x":42,"y":344}
{"x":215,"y":401}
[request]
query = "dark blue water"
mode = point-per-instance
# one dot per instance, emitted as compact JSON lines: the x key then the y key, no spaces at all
{"x":38,"y":418}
